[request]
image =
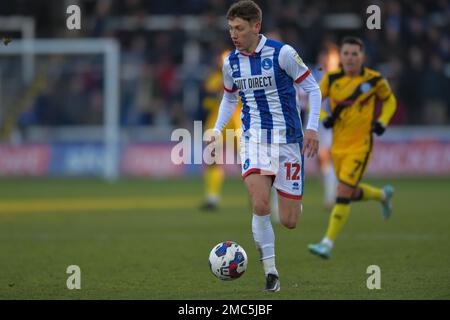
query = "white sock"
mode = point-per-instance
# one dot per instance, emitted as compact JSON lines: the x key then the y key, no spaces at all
{"x":213,"y":199}
{"x":265,"y":242}
{"x":327,"y":242}
{"x":269,"y":266}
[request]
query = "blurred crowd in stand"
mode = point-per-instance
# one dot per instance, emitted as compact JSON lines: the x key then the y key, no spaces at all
{"x":163,"y":69}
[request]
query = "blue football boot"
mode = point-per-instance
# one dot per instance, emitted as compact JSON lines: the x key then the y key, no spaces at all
{"x":320,"y":250}
{"x":386,"y":205}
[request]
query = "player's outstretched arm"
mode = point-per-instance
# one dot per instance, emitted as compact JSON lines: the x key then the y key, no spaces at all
{"x":293,"y":65}
{"x":226,"y":111}
{"x":229,"y":98}
{"x":311,"y":138}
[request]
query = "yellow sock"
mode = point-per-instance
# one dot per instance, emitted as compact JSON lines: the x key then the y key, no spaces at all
{"x":337,"y":220}
{"x":213,"y":181}
{"x":371,"y":193}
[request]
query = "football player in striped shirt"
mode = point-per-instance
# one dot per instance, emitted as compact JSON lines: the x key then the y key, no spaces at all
{"x":264,"y":74}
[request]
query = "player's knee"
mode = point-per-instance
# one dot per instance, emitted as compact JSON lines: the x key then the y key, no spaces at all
{"x":357,"y":194}
{"x":261,"y":206}
{"x":290,"y":222}
{"x":345,"y":191}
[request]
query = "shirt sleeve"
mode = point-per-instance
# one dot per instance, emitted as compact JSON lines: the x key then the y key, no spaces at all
{"x":388,"y":110}
{"x":228,"y":82}
{"x":226,"y":110}
{"x":310,"y":86}
{"x":384,"y":93}
{"x":383,"y":90}
{"x":291,"y":62}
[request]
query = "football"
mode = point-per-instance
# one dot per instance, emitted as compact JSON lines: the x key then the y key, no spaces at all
{"x":228,"y":260}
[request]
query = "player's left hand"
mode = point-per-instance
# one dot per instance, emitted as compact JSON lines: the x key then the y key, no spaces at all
{"x":378,"y":128}
{"x":311,"y":143}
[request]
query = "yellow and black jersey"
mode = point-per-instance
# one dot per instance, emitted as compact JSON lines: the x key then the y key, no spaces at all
{"x":352,"y":104}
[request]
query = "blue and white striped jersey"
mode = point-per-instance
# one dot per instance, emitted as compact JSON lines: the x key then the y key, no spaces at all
{"x":265,"y":83}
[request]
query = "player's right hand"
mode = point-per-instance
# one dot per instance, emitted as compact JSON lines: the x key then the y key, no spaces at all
{"x":212,"y":141}
{"x":328,"y":122}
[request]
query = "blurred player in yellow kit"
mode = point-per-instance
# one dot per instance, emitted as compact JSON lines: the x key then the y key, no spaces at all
{"x":352,"y":91}
{"x":214,"y":174}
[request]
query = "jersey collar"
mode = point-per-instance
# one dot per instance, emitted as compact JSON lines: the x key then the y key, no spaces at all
{"x":262,"y":42}
{"x":363,"y":70}
{"x":361,"y":73}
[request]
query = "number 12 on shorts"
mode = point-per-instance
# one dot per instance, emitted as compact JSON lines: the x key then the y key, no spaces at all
{"x":292,"y":171}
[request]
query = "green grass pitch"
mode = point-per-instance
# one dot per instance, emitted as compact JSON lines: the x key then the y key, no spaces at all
{"x":146,"y":239}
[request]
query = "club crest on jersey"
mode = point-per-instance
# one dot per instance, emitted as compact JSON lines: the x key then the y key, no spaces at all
{"x":365,"y":87}
{"x":246,"y":164}
{"x":266,"y":64}
{"x":235,"y":69}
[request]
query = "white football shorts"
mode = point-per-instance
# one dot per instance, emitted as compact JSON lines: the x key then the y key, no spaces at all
{"x":282,"y":161}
